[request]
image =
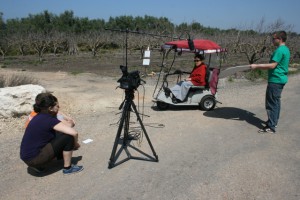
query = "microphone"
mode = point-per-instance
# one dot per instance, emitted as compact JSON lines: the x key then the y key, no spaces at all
{"x":191,"y":44}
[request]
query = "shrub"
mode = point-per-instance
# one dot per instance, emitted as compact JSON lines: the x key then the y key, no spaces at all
{"x":2,"y":81}
{"x":257,"y":74}
{"x":11,"y":80}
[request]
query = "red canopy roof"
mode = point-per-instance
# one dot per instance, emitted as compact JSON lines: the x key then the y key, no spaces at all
{"x":207,"y":46}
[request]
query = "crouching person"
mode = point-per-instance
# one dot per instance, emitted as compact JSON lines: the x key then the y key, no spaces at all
{"x":46,"y":138}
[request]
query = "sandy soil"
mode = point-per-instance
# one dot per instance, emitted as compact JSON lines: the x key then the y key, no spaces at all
{"x":202,"y":155}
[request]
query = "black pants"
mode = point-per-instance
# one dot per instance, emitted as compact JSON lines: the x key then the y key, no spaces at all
{"x":62,"y":142}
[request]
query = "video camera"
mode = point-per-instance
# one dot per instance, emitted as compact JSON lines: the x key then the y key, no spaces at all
{"x":131,"y":80}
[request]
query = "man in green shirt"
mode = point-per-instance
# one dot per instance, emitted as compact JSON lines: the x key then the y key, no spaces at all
{"x":277,"y":78}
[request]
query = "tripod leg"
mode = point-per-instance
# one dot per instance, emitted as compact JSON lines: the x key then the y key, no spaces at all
{"x":145,"y":132}
{"x":126,"y":125}
{"x":123,"y":119}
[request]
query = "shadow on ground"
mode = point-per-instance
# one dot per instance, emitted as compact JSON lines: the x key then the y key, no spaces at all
{"x":52,"y":167}
{"x":235,"y":114}
{"x":176,"y":108}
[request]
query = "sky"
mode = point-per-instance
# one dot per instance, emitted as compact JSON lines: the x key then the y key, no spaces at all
{"x":223,"y":14}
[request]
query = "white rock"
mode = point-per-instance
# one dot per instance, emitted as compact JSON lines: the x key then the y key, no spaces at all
{"x":16,"y":101}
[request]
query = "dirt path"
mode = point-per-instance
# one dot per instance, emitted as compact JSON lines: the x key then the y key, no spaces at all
{"x":202,"y":155}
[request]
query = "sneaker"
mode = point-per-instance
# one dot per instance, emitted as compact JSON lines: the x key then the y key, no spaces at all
{"x":266,"y":123}
{"x":266,"y":130}
{"x":167,"y":91}
{"x":72,"y":170}
{"x":175,"y":100}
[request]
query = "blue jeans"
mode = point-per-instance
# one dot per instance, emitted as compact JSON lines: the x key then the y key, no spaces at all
{"x":273,"y":102}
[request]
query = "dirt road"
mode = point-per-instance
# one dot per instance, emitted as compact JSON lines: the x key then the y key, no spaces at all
{"x":202,"y":155}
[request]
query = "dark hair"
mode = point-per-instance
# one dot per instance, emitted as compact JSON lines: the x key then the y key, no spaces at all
{"x":281,"y":35}
{"x":200,"y":56}
{"x":43,"y":101}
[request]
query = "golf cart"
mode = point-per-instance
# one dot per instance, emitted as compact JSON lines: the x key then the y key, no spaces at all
{"x":203,"y":96}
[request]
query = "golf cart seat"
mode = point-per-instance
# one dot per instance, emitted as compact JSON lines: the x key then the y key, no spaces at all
{"x":211,"y":81}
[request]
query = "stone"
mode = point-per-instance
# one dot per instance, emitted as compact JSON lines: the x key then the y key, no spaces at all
{"x":18,"y":100}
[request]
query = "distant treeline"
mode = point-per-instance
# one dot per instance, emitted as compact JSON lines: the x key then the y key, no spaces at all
{"x":65,"y":33}
{"x":67,"y":22}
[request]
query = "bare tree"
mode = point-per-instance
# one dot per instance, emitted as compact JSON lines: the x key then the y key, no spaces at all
{"x":261,"y":26}
{"x":279,"y":25}
{"x":139,"y":42}
{"x":5,"y":45}
{"x":58,"y":41}
{"x":253,"y":46}
{"x":39,"y":42}
{"x":95,"y":40}
{"x":72,"y":45}
{"x":293,"y":42}
{"x":21,"y":41}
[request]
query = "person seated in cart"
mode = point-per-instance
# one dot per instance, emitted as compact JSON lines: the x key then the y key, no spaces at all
{"x":196,"y":78}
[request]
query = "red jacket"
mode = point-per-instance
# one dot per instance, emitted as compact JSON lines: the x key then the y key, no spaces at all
{"x":198,"y":75}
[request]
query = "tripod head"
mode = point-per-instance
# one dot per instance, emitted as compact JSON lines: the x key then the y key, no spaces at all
{"x":130,"y":80}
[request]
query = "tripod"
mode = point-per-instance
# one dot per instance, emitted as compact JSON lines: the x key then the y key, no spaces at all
{"x":128,"y":105}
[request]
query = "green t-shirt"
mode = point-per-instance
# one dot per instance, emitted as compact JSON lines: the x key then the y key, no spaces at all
{"x":282,"y":57}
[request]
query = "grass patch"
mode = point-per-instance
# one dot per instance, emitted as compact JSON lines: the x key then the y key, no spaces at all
{"x":76,"y":72}
{"x":295,"y":71}
{"x":3,"y":66}
{"x":294,"y":68}
{"x":33,"y":62}
{"x":230,"y":79}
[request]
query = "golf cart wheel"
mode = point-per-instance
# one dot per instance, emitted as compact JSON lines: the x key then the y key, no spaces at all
{"x":208,"y":103}
{"x":162,"y":105}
